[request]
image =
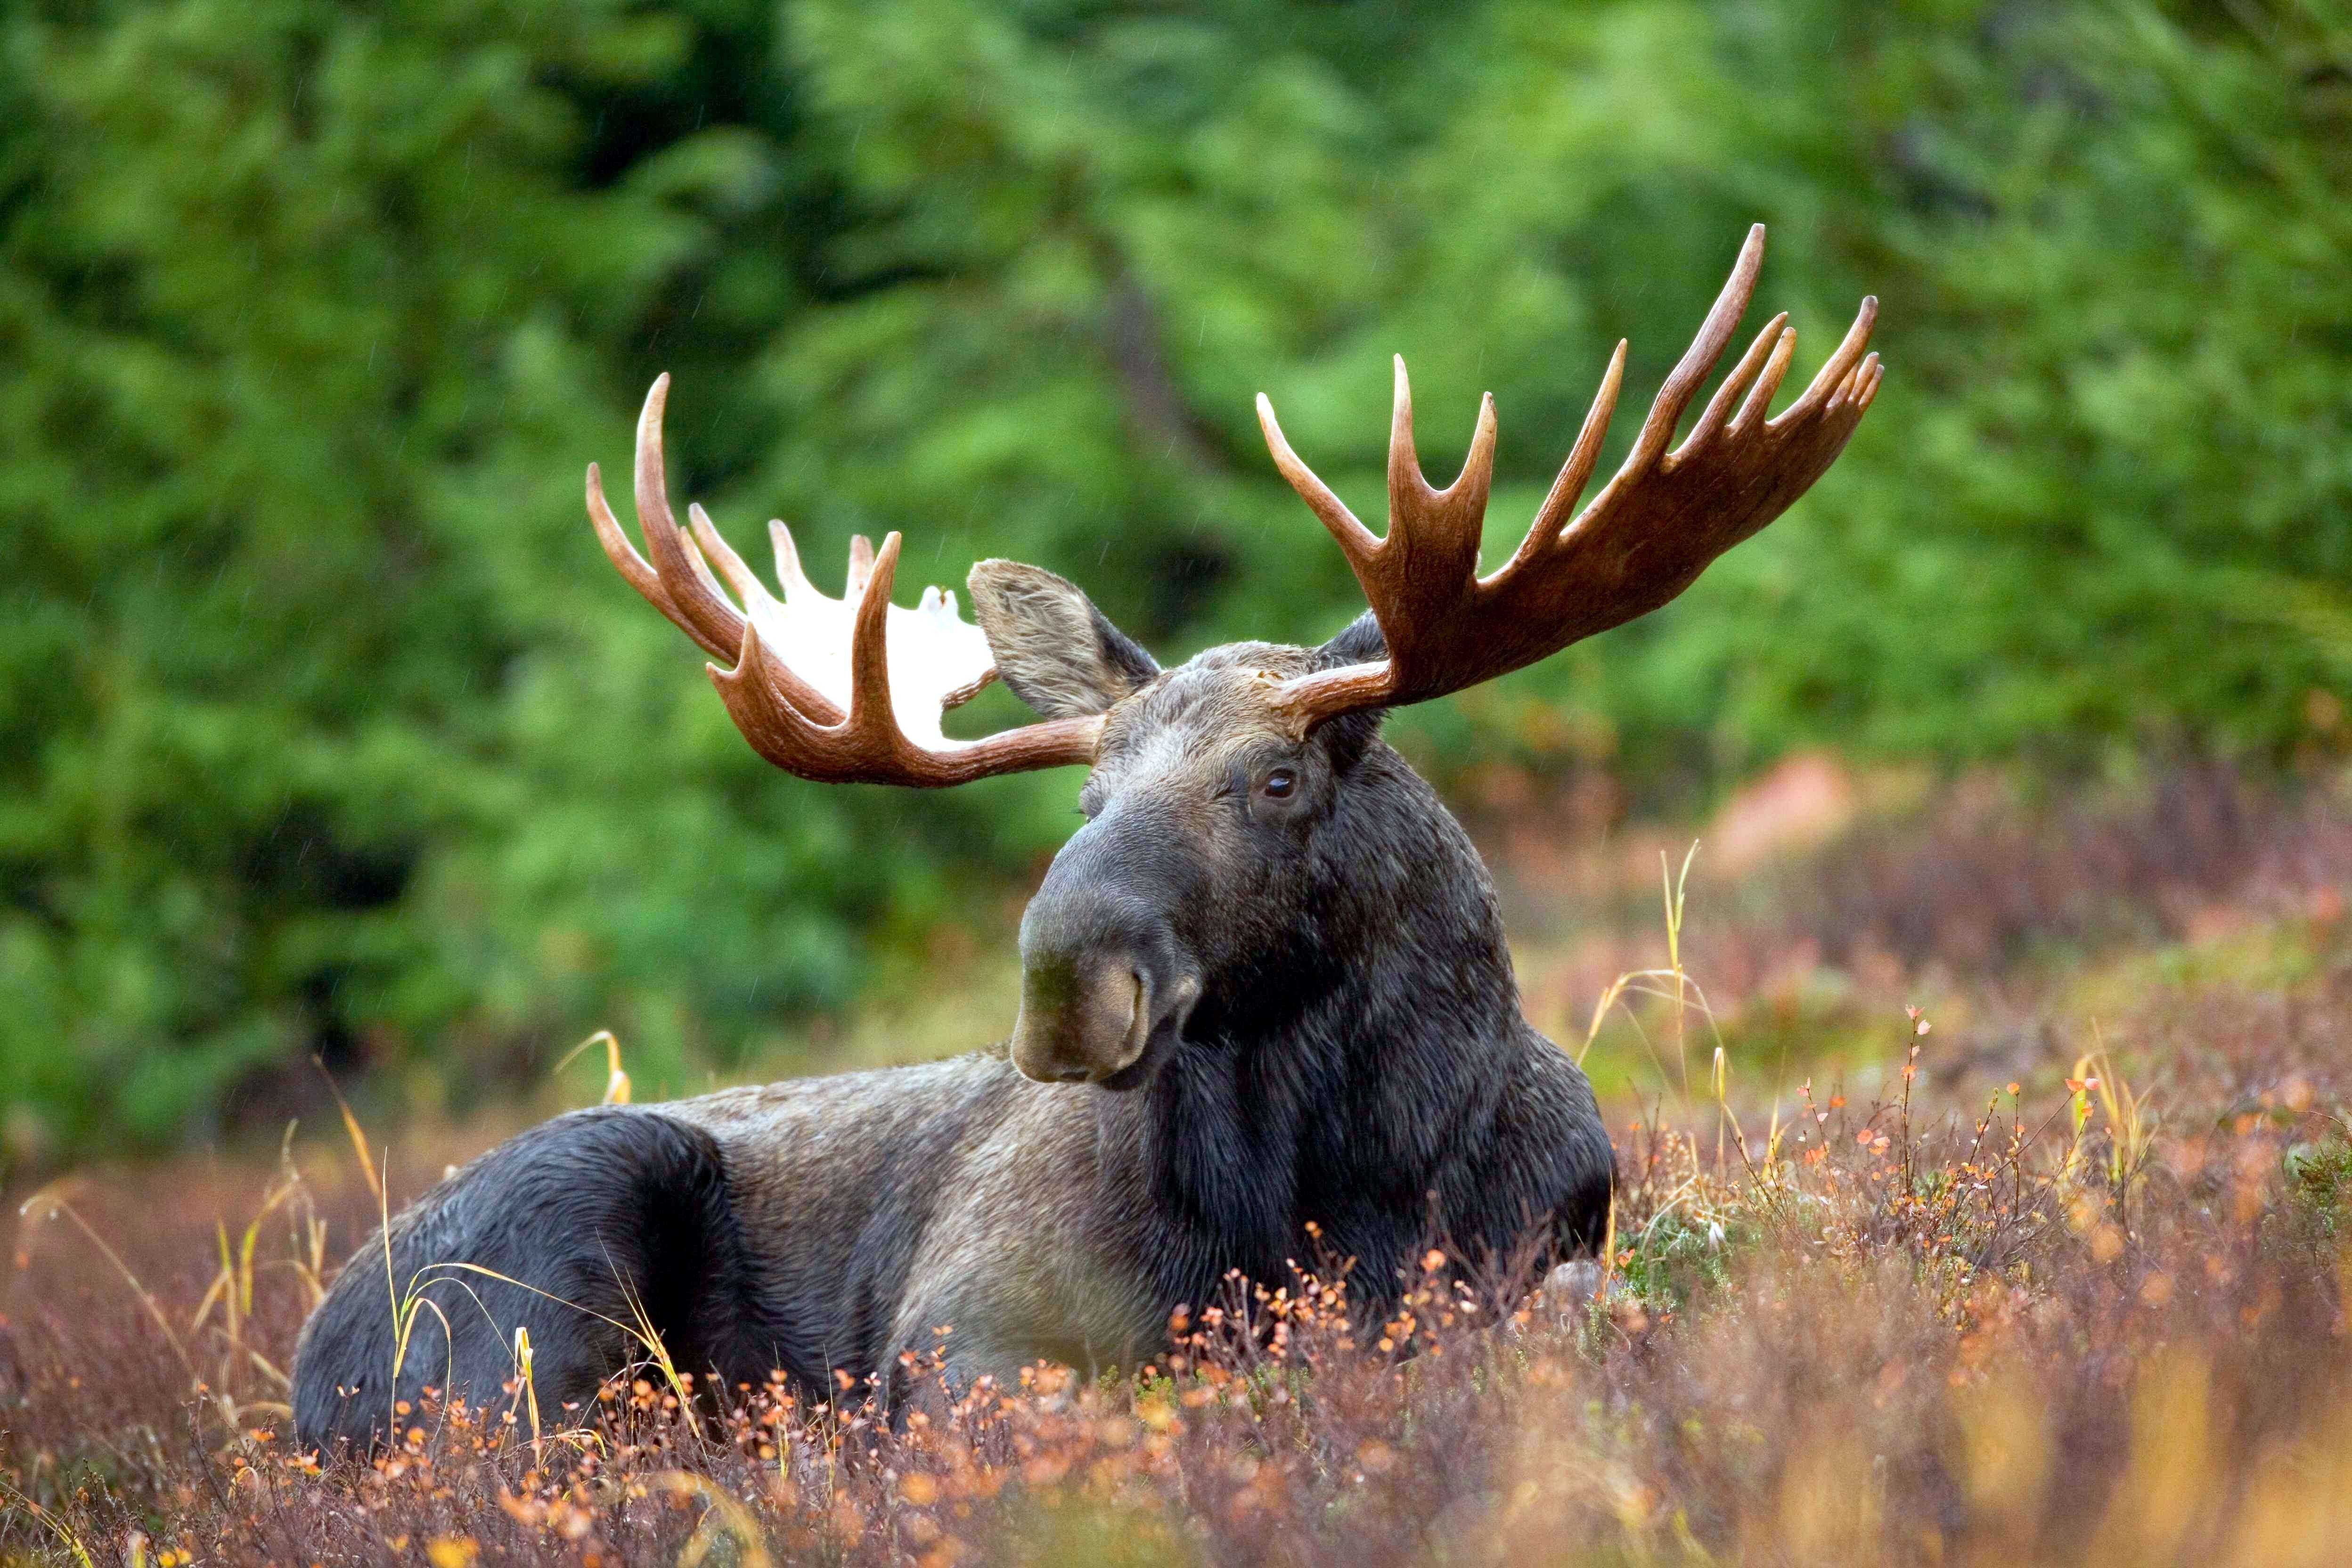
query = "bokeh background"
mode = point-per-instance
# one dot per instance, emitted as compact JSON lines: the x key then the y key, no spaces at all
{"x":326,"y":730}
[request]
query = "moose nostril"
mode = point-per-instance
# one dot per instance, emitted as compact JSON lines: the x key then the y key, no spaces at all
{"x":1072,"y":1075}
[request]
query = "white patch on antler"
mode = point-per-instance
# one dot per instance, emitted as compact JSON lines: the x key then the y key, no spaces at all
{"x":937,"y":659}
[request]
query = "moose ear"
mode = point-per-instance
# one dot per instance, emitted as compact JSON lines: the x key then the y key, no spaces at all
{"x":1054,"y":650}
{"x":1359,"y":642}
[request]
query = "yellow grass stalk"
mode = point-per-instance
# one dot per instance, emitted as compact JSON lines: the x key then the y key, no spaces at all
{"x":352,"y":1128}
{"x":722,"y":1517}
{"x":616,"y":1080}
{"x":52,"y":1523}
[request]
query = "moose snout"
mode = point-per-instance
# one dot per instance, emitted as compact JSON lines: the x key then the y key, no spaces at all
{"x":1107,"y":979}
{"x":1102,"y":980}
{"x":1083,"y":1018}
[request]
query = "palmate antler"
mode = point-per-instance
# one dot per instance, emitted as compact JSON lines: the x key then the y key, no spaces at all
{"x":818,"y":683}
{"x":1649,"y":533}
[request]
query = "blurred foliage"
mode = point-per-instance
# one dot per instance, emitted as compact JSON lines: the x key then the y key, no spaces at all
{"x":324,"y":728}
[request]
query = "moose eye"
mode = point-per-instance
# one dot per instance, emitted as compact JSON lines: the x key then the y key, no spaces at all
{"x":1279,"y":784}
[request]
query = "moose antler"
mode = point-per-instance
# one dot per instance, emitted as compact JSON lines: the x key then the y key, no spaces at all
{"x":1649,"y":533}
{"x":818,"y":683}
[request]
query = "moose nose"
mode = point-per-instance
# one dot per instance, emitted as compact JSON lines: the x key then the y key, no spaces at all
{"x":1104,"y":977}
{"x":1083,"y":1017}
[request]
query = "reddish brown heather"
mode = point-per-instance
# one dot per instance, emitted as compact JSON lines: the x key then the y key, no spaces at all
{"x":2096,"y":1319}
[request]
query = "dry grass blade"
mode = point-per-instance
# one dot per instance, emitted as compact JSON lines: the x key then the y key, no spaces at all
{"x":48,"y":1520}
{"x":46,"y":1204}
{"x":616,"y":1081}
{"x":352,"y":1128}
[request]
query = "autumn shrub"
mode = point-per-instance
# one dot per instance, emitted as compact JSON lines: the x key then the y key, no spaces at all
{"x":2098,"y":1318}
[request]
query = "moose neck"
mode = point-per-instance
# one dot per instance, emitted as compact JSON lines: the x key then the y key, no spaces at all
{"x":1331,"y":1082}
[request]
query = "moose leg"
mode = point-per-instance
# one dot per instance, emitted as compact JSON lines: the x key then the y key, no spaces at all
{"x":599,"y":1232}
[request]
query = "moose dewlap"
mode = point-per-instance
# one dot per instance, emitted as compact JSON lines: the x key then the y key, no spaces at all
{"x":1265,"y":986}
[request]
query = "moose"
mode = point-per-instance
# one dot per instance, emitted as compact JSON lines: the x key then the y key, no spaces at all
{"x":1265,"y":994}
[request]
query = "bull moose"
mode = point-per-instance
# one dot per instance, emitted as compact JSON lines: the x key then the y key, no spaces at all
{"x":1264,"y":986}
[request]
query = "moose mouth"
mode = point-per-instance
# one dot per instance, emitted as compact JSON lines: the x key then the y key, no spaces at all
{"x":1160,"y":1036}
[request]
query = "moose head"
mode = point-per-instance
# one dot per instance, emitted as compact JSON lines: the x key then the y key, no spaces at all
{"x":1235,"y":802}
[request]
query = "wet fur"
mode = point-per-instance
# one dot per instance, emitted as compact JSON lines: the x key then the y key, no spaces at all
{"x":1358,"y":1059}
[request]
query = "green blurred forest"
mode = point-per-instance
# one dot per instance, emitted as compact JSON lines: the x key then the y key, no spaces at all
{"x":326,"y":730}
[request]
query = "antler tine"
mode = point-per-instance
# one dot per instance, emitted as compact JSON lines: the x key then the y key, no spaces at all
{"x":1719,"y":405}
{"x":789,"y":571}
{"x":1407,"y":488}
{"x":1356,"y":541}
{"x":1431,"y":544}
{"x":631,"y":565}
{"x":1438,"y":530}
{"x":1431,"y":548}
{"x":1849,"y":352}
{"x":713,"y":547}
{"x":1559,"y":504}
{"x":709,"y":618}
{"x":1714,"y":336}
{"x":1760,"y":399}
{"x":689,"y":605}
{"x":871,"y":710}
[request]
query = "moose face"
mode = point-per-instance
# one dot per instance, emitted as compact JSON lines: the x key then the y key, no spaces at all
{"x":1207,"y":818}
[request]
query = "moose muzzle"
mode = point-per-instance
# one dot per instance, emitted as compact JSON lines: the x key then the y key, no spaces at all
{"x":1082,"y":1021}
{"x":1105,"y":988}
